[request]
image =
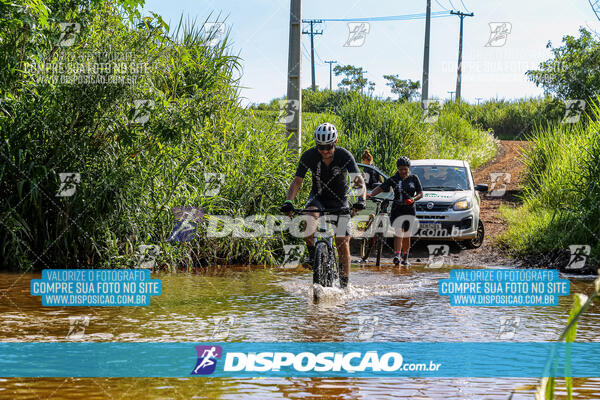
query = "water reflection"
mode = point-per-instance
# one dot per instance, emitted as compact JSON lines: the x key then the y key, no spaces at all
{"x":382,"y":304}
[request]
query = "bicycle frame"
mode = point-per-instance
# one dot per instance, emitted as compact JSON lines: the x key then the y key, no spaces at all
{"x":326,"y":265}
{"x":378,"y":239}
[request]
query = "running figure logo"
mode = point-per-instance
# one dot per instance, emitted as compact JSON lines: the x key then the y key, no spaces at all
{"x":573,"y":110}
{"x":499,"y":32}
{"x":579,"y":255}
{"x":366,"y":326}
{"x":431,"y":111}
{"x":500,"y":181}
{"x":437,"y":255}
{"x":293,"y":254}
{"x":68,"y":33}
{"x":186,"y":223}
{"x":508,"y":327}
{"x":77,"y":325}
{"x":357,"y":34}
{"x":68,"y":183}
{"x":207,"y":359}
{"x":142,"y":111}
{"x":288,"y":109}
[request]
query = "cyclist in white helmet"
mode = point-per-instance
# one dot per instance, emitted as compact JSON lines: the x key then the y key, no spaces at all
{"x":329,"y":165}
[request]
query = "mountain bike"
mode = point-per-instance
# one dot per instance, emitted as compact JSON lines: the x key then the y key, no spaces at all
{"x":376,"y":242}
{"x":326,"y":268}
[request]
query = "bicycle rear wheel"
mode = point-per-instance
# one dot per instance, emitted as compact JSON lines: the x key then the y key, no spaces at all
{"x":366,"y":245}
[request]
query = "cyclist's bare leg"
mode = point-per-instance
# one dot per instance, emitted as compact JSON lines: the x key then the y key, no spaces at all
{"x":405,"y":242}
{"x":311,"y":226}
{"x":397,"y":242}
{"x":401,"y":243}
{"x":343,"y":247}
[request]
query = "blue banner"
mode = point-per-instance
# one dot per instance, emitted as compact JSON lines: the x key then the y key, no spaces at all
{"x":503,"y":287}
{"x":95,"y":287}
{"x":300,"y":359}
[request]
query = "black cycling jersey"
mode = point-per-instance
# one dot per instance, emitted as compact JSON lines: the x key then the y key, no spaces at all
{"x":403,"y":189}
{"x":329,"y":182}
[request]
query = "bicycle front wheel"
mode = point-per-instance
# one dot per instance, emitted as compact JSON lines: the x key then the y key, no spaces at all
{"x":324,"y":268}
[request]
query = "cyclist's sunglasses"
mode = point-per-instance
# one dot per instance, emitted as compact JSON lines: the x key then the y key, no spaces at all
{"x":325,"y":147}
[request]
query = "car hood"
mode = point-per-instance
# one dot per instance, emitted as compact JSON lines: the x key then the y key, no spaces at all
{"x":446,"y":197}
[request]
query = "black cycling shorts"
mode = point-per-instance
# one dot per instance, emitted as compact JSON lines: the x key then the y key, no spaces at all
{"x":402,"y":211}
{"x":315,"y":201}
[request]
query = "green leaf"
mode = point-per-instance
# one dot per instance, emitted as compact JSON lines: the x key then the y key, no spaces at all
{"x":579,"y":300}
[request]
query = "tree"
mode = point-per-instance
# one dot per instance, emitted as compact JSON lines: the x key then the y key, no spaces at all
{"x":371,"y":87}
{"x":355,"y":77}
{"x":574,"y":72}
{"x":405,"y":89}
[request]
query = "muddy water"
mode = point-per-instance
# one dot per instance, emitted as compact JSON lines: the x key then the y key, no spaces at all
{"x":262,"y":305}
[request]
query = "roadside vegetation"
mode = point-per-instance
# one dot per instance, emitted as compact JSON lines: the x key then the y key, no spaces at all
{"x":132,"y":171}
{"x":147,"y":143}
{"x":561,"y":194}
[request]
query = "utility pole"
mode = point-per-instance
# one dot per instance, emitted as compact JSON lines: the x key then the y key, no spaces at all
{"x":425,"y":90}
{"x":330,"y":62}
{"x":294,"y":92}
{"x":460,"y":46}
{"x":451,"y":96}
{"x":478,"y":98}
{"x":312,"y":34}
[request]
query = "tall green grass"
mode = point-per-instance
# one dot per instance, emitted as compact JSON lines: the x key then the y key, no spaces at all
{"x":514,"y":119}
{"x":511,"y":119}
{"x":132,"y":175}
{"x":561,"y":191}
{"x":391,"y":129}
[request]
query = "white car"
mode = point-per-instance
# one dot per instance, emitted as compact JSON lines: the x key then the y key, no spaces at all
{"x":449,"y":209}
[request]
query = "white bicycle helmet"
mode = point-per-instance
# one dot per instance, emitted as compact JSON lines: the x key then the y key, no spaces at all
{"x":325,"y":133}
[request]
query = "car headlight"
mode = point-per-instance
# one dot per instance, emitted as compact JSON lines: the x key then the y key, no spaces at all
{"x":463,"y":204}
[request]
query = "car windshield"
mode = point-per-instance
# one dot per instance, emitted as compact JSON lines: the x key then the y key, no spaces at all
{"x":442,"y":178}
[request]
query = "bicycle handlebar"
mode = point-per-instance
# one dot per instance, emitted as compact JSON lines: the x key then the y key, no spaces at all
{"x":377,"y":199}
{"x":322,"y":210}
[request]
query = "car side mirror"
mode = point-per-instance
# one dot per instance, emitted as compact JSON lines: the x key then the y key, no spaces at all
{"x":481,"y":187}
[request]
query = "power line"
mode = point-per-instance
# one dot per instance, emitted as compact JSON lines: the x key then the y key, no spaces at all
{"x":437,"y":14}
{"x":440,"y":4}
{"x":452,"y":5}
{"x":595,"y":7}
{"x":318,"y":56}
{"x":466,"y":9}
{"x":306,"y":52}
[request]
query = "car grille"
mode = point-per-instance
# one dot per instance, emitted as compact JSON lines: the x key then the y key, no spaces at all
{"x":437,"y":207}
{"x":426,"y":217}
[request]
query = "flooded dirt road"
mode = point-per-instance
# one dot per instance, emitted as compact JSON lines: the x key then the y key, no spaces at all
{"x":382,"y":304}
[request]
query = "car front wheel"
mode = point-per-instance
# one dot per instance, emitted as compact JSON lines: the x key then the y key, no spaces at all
{"x":477,"y":241}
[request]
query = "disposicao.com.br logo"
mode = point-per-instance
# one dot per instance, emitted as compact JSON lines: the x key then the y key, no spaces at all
{"x":207,"y":359}
{"x":322,"y":362}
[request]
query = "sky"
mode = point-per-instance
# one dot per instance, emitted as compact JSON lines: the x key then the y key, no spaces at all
{"x":259,"y":33}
